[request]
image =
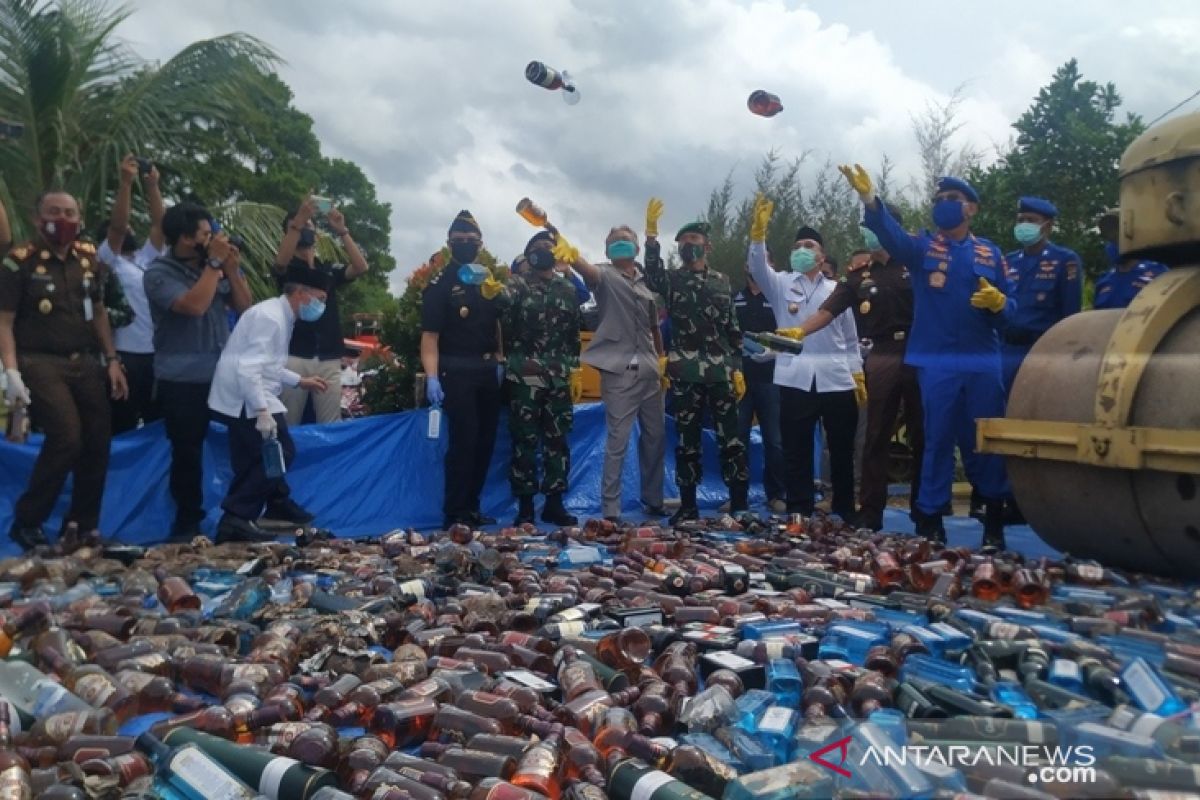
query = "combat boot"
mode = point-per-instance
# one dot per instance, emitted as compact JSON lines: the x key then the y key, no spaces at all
{"x":27,"y":536}
{"x":930,"y":526}
{"x":554,"y":512}
{"x":525,"y":511}
{"x":993,"y":524}
{"x":688,"y":511}
{"x":739,"y":498}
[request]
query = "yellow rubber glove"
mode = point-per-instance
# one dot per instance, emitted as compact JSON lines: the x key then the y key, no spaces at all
{"x":490,"y":288}
{"x":662,"y":373}
{"x":654,"y":212}
{"x":989,"y":297}
{"x":860,"y":389}
{"x":763,"y":209}
{"x":564,"y":251}
{"x":576,"y":386}
{"x":739,"y":385}
{"x":792,"y":333}
{"x":859,"y":181}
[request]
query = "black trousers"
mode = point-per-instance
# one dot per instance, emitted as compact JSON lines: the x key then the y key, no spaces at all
{"x":184,"y":408}
{"x":472,"y":409}
{"x":800,"y":411}
{"x":250,"y":488}
{"x":141,"y":403}
{"x":70,"y":404}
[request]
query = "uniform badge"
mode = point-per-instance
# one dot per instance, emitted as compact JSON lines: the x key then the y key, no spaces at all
{"x":793,"y":308}
{"x":45,"y":306}
{"x":41,"y":269}
{"x":937,"y":279}
{"x":83,"y":262}
{"x":50,"y":287}
{"x":865,"y":307}
{"x":464,"y":312}
{"x":44,"y":254}
{"x":866,"y":275}
{"x":943,"y":266}
{"x":1041,"y":297}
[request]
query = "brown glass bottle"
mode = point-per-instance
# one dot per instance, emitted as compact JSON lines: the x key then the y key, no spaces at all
{"x":99,"y":689}
{"x":496,"y":789}
{"x":613,"y":729}
{"x":654,"y":708}
{"x":404,"y":722}
{"x":464,"y":723}
{"x":502,"y":709}
{"x":1030,"y":588}
{"x":15,"y":781}
{"x":29,"y":620}
{"x":317,"y":747}
{"x":216,"y":720}
{"x":625,"y":650}
{"x":511,"y":746}
{"x":176,"y":595}
{"x":471,"y":764}
{"x":583,"y":760}
{"x":985,"y":582}
{"x":677,"y":666}
{"x":538,"y":768}
{"x":58,"y":728}
{"x":871,"y":692}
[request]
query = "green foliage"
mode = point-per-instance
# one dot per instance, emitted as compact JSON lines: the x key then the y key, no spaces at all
{"x":86,"y":100}
{"x":1067,"y":149}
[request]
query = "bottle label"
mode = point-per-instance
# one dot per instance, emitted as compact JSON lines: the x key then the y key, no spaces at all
{"x":528,"y":679}
{"x":95,"y":689}
{"x":1143,"y":686}
{"x":775,"y":720}
{"x":1146,"y":724}
{"x":415,"y":588}
{"x":648,"y":784}
{"x":192,"y":767}
{"x":272,"y":776}
{"x":1004,"y":630}
{"x":14,"y":720}
{"x":14,"y":782}
{"x":571,"y":628}
{"x":731,"y":661}
{"x":61,"y":727}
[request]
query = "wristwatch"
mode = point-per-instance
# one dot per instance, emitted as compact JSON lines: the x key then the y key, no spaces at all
{"x":215,"y":263}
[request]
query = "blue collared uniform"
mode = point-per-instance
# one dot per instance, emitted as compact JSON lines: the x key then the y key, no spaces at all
{"x":1116,"y":288}
{"x":1047,"y":286}
{"x":955,"y":348}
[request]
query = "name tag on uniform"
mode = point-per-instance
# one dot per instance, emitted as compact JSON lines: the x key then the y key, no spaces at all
{"x":937,"y":280}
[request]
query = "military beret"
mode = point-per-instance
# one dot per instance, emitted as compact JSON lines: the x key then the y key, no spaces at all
{"x":693,"y":227}
{"x":541,"y":236}
{"x":807,"y":232}
{"x":464,"y":223}
{"x":1036,"y":205}
{"x":949,"y":184}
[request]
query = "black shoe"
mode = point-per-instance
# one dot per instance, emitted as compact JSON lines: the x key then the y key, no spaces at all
{"x":289,"y":511}
{"x":27,"y":536}
{"x":236,"y":529}
{"x":977,"y":505}
{"x":1012,"y":514}
{"x":554,"y":512}
{"x":739,"y":502}
{"x":309,"y":536}
{"x":868,"y":520}
{"x":654,"y":511}
{"x":930,"y":526}
{"x":479,"y":520}
{"x":524,"y":510}
{"x":993,"y":525}
{"x":688,"y":510}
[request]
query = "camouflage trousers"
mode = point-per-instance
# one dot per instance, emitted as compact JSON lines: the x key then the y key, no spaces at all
{"x":690,"y":401}
{"x":546,"y":413}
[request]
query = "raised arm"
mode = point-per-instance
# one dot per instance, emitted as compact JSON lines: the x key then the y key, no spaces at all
{"x":760,"y":270}
{"x":118,"y":223}
{"x":240,"y":296}
{"x":567,"y":253}
{"x":358,"y":262}
{"x":901,"y":245}
{"x":291,"y":237}
{"x":157,"y":208}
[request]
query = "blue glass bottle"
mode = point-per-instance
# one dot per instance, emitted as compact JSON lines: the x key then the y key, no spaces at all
{"x":1010,"y":694}
{"x":769,"y":629}
{"x":960,"y":677}
{"x":932,"y":640}
{"x":753,"y":753}
{"x":776,"y":728}
{"x":1107,"y":741}
{"x":715,"y":748}
{"x":784,"y":682}
{"x":1148,"y":689}
{"x":1066,"y":673}
{"x":850,"y":641}
{"x":953,"y":640}
{"x":750,"y":706}
{"x":892,"y":722}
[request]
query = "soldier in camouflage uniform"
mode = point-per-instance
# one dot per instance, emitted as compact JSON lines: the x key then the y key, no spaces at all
{"x":703,"y":363}
{"x":541,"y":320}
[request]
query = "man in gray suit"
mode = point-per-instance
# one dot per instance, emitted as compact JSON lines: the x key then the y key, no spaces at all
{"x":626,"y":349}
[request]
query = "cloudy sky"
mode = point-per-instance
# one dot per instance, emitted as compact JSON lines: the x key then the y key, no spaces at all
{"x":430,"y":99}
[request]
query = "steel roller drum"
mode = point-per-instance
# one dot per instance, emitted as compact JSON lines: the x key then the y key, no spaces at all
{"x":1143,"y":520}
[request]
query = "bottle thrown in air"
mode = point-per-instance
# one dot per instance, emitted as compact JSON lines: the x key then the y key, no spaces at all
{"x":549,"y":78}
{"x":764,"y":103}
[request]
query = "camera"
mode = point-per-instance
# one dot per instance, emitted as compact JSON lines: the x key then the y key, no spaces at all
{"x":145,"y":166}
{"x":237,"y":241}
{"x":11,"y":130}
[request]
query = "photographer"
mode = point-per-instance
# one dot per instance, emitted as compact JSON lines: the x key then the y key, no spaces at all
{"x":316,"y":347}
{"x":120,"y":252}
{"x":189,"y":289}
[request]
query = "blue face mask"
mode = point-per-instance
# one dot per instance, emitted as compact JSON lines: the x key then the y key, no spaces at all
{"x":870,"y":240}
{"x":948,"y":214}
{"x":312,"y":310}
{"x":1027,"y":233}
{"x":803,"y":260}
{"x":472,"y":274}
{"x":621,"y":249}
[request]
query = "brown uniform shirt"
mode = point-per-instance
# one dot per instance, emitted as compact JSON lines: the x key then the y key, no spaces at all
{"x":48,"y":293}
{"x":881,"y":296}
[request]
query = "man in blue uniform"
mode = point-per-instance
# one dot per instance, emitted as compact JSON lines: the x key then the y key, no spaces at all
{"x":1117,"y":287}
{"x":960,"y":295}
{"x":1046,"y":280}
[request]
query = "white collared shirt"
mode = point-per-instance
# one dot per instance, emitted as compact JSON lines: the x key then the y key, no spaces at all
{"x":137,"y":336}
{"x":831,"y":355}
{"x":252,"y":371}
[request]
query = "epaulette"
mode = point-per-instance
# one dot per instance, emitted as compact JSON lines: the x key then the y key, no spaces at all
{"x":85,"y":247}
{"x":21,"y":251}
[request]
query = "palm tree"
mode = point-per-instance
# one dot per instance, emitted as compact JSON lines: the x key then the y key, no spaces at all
{"x":86,"y":99}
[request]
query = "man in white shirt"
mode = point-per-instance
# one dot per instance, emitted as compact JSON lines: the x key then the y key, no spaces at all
{"x":119,"y":250}
{"x":245,"y":392}
{"x":824,"y":383}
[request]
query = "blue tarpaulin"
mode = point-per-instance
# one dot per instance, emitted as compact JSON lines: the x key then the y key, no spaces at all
{"x":367,"y":476}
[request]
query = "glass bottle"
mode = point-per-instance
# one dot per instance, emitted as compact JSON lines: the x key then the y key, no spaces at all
{"x":538,"y":768}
